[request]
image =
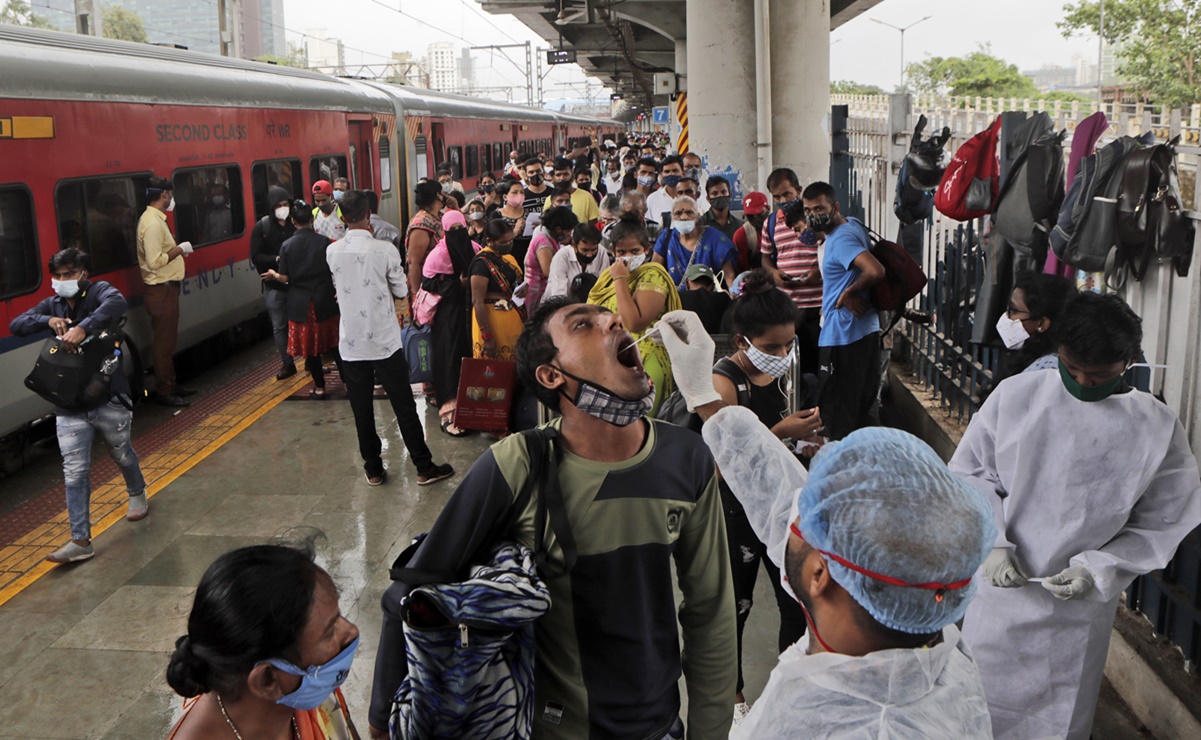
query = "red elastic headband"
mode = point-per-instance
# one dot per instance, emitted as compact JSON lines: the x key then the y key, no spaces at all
{"x":938,"y":588}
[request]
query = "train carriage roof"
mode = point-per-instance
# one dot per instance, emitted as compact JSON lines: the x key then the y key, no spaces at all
{"x":41,"y":64}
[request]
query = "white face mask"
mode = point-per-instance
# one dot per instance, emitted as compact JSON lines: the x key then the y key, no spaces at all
{"x":634,"y":262}
{"x":1013,"y":334}
{"x":684,"y":227}
{"x":282,"y":213}
{"x":171,"y":205}
{"x":65,"y":288}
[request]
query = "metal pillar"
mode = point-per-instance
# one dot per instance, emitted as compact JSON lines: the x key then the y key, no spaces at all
{"x":800,"y":87}
{"x":721,"y":89}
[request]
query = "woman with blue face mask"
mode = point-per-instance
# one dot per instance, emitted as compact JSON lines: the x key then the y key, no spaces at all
{"x":688,"y":242}
{"x":266,"y":650}
{"x":764,"y":322}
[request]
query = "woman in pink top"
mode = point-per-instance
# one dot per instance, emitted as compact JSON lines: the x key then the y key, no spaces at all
{"x":555,"y":230}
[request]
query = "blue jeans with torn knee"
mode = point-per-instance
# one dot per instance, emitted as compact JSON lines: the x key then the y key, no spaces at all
{"x":76,"y":430}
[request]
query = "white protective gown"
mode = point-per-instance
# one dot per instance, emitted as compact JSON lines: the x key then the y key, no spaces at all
{"x":1110,"y":485}
{"x":925,"y":693}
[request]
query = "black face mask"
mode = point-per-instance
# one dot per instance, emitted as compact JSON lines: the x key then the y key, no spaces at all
{"x":585,"y":259}
{"x":720,"y":203}
{"x":821,"y":222}
{"x":584,"y":185}
{"x":485,"y":189}
{"x":534,"y":179}
{"x":328,"y":208}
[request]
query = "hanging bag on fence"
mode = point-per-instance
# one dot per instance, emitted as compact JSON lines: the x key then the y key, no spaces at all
{"x":921,"y":172}
{"x":971,"y":182}
{"x":1085,"y":234}
{"x":1030,"y":200}
{"x":469,"y":642}
{"x":418,"y":341}
{"x":1152,"y":224}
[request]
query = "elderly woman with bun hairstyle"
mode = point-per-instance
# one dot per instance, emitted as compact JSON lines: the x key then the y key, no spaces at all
{"x":266,"y":650}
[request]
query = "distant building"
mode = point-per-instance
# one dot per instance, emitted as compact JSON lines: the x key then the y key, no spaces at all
{"x":323,"y":51}
{"x":466,"y":72}
{"x":1050,"y":77}
{"x":442,"y":66}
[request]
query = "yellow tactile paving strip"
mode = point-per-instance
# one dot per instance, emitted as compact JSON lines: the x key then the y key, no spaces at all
{"x":22,"y":562}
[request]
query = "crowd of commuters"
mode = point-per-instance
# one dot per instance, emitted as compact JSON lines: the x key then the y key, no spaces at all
{"x":914,"y":597}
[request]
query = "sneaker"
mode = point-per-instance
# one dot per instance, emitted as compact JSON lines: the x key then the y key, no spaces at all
{"x":376,"y":480}
{"x":139,"y":507}
{"x":435,"y":474}
{"x":171,"y":400}
{"x":71,"y":553}
{"x":286,"y":372}
{"x":741,"y":710}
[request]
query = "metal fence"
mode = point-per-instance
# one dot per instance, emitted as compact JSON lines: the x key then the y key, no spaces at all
{"x":870,"y":137}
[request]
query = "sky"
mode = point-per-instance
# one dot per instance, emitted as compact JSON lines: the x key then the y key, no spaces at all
{"x":1022,"y":32}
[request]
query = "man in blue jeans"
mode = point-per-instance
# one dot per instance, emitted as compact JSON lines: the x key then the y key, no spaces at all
{"x":78,"y":310}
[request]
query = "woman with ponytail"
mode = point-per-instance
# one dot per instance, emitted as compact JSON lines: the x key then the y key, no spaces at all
{"x":764,"y":321}
{"x":265,"y":652}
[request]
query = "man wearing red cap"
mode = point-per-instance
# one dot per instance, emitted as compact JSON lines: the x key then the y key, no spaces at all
{"x":327,"y":217}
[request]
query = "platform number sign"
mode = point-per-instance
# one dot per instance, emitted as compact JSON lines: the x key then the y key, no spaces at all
{"x":660,"y":115}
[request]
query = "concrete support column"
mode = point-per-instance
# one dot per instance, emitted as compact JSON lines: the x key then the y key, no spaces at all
{"x":800,"y":86}
{"x":682,"y":62}
{"x":721,"y":88}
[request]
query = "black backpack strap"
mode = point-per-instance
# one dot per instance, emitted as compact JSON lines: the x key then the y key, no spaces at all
{"x":730,"y":370}
{"x":552,"y":506}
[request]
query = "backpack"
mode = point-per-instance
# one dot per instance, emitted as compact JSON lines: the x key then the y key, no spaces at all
{"x":970,"y":185}
{"x":469,"y":642}
{"x":79,"y":381}
{"x":921,"y":171}
{"x":1085,"y":234}
{"x":417,"y":341}
{"x":1152,"y":223}
{"x":910,"y":204}
{"x":674,"y":409}
{"x":581,"y":286}
{"x":904,"y":278}
{"x":1030,"y":200}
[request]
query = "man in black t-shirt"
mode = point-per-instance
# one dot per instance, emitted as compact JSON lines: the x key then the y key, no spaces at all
{"x":536,"y":192}
{"x":703,"y":298}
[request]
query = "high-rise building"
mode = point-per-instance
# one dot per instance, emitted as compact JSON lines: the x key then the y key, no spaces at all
{"x":442,"y":66}
{"x":466,"y":72}
{"x":323,"y":51}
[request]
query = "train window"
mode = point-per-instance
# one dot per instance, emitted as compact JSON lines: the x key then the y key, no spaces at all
{"x":209,"y":206}
{"x":385,"y":164}
{"x":454,"y":156}
{"x":500,"y":156}
{"x":100,"y":216}
{"x":328,"y":168}
{"x":284,"y":173}
{"x":485,"y":158}
{"x":473,"y":160}
{"x":20,"y":271}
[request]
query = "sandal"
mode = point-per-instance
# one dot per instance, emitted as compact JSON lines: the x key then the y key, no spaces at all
{"x":447,"y":424}
{"x":317,"y":394}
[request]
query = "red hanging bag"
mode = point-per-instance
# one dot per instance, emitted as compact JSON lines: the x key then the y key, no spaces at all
{"x":970,"y":186}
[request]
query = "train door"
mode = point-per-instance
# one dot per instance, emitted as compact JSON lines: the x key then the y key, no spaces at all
{"x":438,"y":137}
{"x":362,"y":168}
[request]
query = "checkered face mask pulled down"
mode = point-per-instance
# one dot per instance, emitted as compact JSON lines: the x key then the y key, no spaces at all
{"x":606,"y":405}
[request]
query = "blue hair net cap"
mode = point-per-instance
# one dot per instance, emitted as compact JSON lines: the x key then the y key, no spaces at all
{"x":881,"y":500}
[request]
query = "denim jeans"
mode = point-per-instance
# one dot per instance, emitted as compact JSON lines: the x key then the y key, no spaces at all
{"x":75,"y":434}
{"x":277,"y":311}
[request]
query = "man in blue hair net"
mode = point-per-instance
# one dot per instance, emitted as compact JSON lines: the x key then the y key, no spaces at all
{"x":879,"y":542}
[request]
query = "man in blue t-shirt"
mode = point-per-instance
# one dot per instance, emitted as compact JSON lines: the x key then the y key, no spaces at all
{"x":849,"y":345}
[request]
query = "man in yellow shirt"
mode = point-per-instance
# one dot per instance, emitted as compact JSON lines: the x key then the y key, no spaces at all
{"x":582,"y":203}
{"x":161,"y":260}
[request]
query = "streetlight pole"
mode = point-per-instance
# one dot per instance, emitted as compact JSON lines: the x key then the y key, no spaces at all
{"x":902,"y":30}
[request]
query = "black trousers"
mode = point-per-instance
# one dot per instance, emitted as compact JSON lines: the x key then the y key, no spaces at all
{"x":849,"y":386}
{"x":808,"y":329}
{"x":393,"y":373}
{"x":746,"y":553}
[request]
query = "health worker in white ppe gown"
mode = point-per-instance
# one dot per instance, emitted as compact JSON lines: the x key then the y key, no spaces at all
{"x":1092,"y":483}
{"x":879,"y":542}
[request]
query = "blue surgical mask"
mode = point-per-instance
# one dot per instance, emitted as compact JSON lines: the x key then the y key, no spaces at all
{"x":65,"y":288}
{"x":338,"y":195}
{"x":684,"y":227}
{"x":318,"y":681}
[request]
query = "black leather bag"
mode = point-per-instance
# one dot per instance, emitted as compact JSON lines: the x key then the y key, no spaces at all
{"x":1152,"y":223}
{"x":74,"y":380}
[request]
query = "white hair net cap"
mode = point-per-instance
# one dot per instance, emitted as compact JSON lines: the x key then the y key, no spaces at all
{"x":881,"y":500}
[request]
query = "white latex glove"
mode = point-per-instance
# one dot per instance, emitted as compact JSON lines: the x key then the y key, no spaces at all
{"x":186,"y":247}
{"x":1002,"y":570}
{"x":691,"y":350}
{"x":1071,"y":583}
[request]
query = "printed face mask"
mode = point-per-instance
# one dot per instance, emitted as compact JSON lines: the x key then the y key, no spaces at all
{"x":319,"y":681}
{"x":282,"y":213}
{"x":773,"y":365}
{"x":646,"y":180}
{"x":534,"y":179}
{"x":1089,"y":394}
{"x":1012,"y":332}
{"x":606,"y":405}
{"x":670,"y":181}
{"x":820,"y":221}
{"x":65,"y":288}
{"x":634,"y":262}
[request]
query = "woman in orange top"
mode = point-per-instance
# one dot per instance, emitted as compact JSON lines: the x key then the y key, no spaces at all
{"x":260,"y":613}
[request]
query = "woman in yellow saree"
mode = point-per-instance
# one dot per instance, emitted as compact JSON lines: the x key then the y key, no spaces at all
{"x":639,"y":291}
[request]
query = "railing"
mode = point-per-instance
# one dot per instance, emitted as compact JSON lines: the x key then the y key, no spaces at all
{"x":870,"y":136}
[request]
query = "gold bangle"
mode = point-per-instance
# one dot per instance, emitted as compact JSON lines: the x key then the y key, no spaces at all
{"x":620,"y":277}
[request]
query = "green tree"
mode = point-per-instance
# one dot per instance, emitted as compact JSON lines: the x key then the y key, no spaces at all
{"x":977,"y":74}
{"x":1160,"y":42}
{"x":123,"y":25}
{"x":849,"y":87}
{"x":1067,"y":96}
{"x":296,"y":57}
{"x":18,"y":13}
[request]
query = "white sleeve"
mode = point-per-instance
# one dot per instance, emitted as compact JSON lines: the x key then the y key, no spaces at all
{"x":556,"y":281}
{"x":763,"y":474}
{"x":975,"y":461}
{"x":398,"y":281}
{"x":1167,"y":511}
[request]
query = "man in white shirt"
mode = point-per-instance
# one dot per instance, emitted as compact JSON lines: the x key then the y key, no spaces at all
{"x":367,"y":274}
{"x":585,"y":256}
{"x":611,"y":180}
{"x":659,"y":202}
{"x":879,"y":542}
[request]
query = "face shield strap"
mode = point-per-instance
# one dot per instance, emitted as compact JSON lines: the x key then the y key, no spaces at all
{"x":939,"y":589}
